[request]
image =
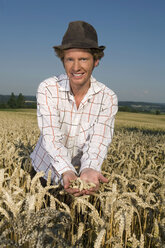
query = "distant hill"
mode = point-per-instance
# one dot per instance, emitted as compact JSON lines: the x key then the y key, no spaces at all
{"x":126,"y":106}
{"x":142,"y":107}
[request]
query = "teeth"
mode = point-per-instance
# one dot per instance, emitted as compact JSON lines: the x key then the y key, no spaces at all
{"x":77,"y":75}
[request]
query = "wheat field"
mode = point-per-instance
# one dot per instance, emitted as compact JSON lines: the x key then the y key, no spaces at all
{"x":127,"y":212}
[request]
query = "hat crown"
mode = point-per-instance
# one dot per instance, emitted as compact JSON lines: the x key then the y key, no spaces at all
{"x":79,"y":31}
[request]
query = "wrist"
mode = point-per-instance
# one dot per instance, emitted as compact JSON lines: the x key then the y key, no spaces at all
{"x":68,"y":172}
{"x":87,"y":170}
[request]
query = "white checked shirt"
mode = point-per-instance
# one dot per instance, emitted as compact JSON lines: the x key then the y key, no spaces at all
{"x":69,"y":137}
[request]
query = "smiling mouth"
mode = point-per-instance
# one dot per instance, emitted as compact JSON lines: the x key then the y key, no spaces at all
{"x":77,"y":74}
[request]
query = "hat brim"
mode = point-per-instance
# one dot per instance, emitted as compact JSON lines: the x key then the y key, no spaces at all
{"x":78,"y":45}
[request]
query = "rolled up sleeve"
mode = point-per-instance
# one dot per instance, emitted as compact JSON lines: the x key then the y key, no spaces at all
{"x":49,"y":125}
{"x":101,"y":133}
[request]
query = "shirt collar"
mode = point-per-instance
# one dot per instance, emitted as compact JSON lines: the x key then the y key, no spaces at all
{"x":95,"y":86}
{"x":63,"y":81}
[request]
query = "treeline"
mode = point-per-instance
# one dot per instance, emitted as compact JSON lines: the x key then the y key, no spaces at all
{"x":142,"y":107}
{"x":135,"y":110}
{"x":15,"y":102}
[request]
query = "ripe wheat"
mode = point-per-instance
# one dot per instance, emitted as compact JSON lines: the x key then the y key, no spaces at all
{"x":128,"y":211}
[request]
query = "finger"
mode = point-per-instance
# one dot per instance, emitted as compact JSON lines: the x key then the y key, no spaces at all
{"x":103,"y":179}
{"x":66,"y":182}
{"x":66,"y":186}
{"x":71,"y":191}
{"x":79,"y":194}
{"x":89,"y":192}
{"x":92,"y":190}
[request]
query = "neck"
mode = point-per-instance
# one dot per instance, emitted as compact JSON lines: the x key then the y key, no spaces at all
{"x":79,"y":93}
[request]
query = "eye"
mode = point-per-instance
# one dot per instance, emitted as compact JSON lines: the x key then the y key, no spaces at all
{"x":69,"y":59}
{"x":83,"y":59}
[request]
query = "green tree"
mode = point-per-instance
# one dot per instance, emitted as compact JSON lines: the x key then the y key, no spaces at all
{"x":12,"y":102}
{"x":20,"y":101}
{"x":157,"y":112}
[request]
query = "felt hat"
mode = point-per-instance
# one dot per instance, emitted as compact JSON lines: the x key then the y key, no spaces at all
{"x":80,"y":34}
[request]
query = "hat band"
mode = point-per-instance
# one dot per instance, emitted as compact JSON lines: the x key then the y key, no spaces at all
{"x":80,"y":45}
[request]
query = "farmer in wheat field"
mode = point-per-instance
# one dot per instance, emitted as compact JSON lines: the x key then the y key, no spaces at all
{"x":75,"y":113}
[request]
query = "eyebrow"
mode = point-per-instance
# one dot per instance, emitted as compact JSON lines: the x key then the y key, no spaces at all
{"x":82,"y":57}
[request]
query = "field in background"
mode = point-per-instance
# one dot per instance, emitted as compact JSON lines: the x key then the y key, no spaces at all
{"x":126,"y":212}
{"x":141,"y":121}
{"x":123,"y":119}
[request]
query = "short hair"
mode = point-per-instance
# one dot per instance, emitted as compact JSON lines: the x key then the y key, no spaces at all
{"x":96,"y":53}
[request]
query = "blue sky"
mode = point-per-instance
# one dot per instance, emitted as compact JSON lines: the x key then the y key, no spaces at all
{"x":133,"y":32}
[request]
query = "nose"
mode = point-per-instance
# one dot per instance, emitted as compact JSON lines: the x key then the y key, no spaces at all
{"x":76,"y":65}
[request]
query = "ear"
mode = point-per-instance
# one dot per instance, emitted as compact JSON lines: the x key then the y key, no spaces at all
{"x":96,"y":63}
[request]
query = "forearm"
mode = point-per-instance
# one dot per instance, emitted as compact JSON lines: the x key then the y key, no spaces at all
{"x":52,"y":137}
{"x":95,"y":150}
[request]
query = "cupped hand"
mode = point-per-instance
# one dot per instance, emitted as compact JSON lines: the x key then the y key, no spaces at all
{"x":92,"y":176}
{"x":67,"y":177}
